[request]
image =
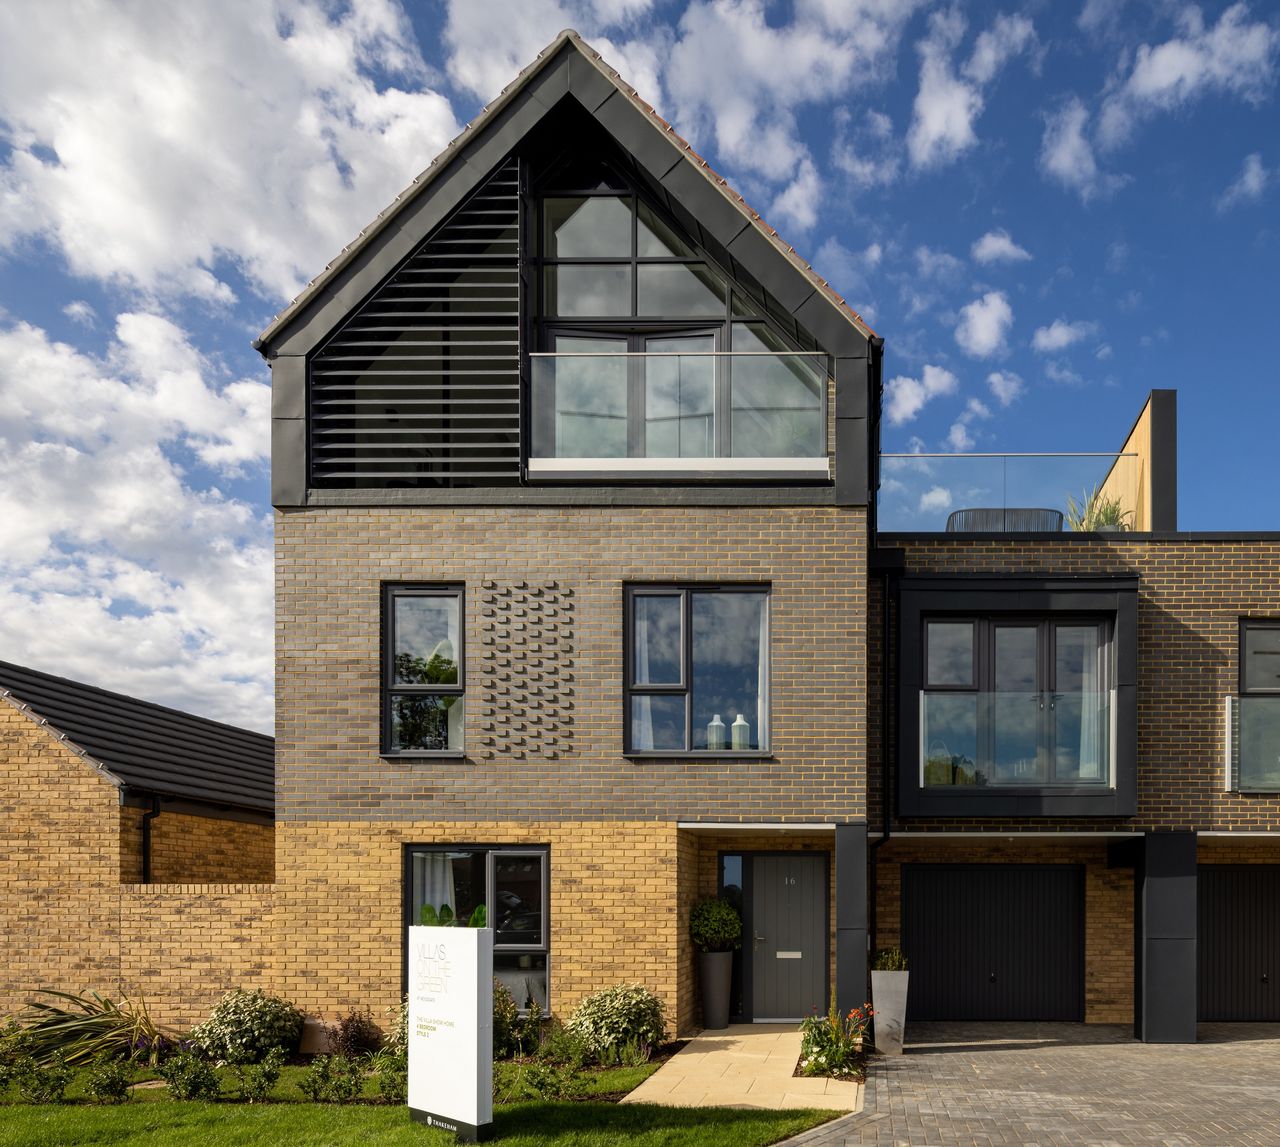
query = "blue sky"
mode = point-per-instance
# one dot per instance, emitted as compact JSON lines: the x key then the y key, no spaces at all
{"x":1046,"y":208}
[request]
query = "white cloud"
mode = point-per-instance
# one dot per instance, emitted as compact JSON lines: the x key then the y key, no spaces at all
{"x":1103,"y":352}
{"x":866,"y":150}
{"x":937,"y":264}
{"x":1235,"y":56}
{"x":1005,"y":385}
{"x":1100,"y":17}
{"x":946,"y":105}
{"x":906,"y":397}
{"x":81,"y":313}
{"x":262,"y":122}
{"x":998,"y":247}
{"x":1061,"y":373}
{"x":1067,"y":157}
{"x":846,"y":270}
{"x":984,"y":325}
{"x":959,"y":437}
{"x":1248,"y":186}
{"x":1061,"y":334}
{"x":798,"y":201}
{"x":114,"y":568}
{"x":935,"y":499}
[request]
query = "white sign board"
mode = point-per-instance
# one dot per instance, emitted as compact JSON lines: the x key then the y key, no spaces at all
{"x":451,"y":1030}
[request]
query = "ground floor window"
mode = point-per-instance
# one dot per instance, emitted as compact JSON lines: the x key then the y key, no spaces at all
{"x":511,"y":883}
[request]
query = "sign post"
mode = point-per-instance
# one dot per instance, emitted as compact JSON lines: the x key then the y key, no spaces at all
{"x":451,"y":1030}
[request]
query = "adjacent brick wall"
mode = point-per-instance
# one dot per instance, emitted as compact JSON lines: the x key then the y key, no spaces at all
{"x":189,"y":849}
{"x":1108,"y":936}
{"x":68,"y":920}
{"x":1191,"y":597}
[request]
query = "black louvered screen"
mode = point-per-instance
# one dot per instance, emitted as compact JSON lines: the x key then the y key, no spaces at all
{"x":421,"y":386}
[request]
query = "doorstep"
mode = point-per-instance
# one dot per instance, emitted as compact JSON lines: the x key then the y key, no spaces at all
{"x":745,"y":1065}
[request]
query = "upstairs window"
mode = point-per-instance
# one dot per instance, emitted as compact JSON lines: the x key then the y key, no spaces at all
{"x":1257,"y":758}
{"x":647,"y":352}
{"x":697,"y":678}
{"x":422,"y":672}
{"x":1015,"y":702}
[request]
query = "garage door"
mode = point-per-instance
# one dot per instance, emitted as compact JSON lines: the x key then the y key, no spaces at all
{"x":1238,"y":926}
{"x":994,"y":941}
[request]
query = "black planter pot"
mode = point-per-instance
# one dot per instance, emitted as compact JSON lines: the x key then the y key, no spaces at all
{"x":717,"y":974}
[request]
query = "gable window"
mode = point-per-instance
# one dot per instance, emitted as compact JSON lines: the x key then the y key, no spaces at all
{"x":1015,"y":701}
{"x":697,"y":674}
{"x":647,"y":353}
{"x":511,"y":883}
{"x":422,"y":672}
{"x":1257,"y":758}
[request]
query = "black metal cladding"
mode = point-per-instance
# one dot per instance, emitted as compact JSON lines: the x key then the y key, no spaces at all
{"x":1238,"y":930}
{"x":421,"y":385}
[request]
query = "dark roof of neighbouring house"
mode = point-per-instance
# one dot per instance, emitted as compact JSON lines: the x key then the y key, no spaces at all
{"x":453,"y":152}
{"x":148,"y":748}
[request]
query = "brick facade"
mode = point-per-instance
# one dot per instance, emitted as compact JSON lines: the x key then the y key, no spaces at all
{"x":188,"y":849}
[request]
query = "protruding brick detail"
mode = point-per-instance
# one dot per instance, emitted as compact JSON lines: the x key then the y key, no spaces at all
{"x":526,"y":670}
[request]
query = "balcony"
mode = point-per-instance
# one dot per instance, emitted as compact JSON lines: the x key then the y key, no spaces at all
{"x":753,"y":415}
{"x":1253,"y":744}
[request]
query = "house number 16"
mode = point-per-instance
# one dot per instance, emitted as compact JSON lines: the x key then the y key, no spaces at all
{"x":788,"y":880}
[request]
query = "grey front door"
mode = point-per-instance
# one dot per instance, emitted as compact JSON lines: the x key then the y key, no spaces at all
{"x":788,"y":941}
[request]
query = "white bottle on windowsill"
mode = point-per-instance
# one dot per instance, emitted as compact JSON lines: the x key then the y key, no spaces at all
{"x":715,"y":733}
{"x":741,"y":733}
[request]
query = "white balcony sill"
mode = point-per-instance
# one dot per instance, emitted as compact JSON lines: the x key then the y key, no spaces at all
{"x":776,"y":469}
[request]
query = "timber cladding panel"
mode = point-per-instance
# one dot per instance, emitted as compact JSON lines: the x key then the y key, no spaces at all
{"x":1108,"y":936}
{"x":1192,"y":595}
{"x":566,"y":569}
{"x":617,"y":907}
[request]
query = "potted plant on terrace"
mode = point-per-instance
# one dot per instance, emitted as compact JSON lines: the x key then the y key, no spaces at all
{"x":889,"y":998}
{"x":1098,"y":513}
{"x":716,"y":930}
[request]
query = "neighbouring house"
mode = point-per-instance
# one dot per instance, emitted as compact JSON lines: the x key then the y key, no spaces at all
{"x":584,"y":611}
{"x":137,"y":847}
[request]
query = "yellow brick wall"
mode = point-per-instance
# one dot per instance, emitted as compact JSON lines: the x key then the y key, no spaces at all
{"x":188,"y":849}
{"x":1108,"y":938}
{"x":68,"y":921}
{"x":615,"y":909}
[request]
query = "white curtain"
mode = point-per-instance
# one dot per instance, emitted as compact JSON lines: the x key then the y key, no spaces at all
{"x":1091,"y":709}
{"x":641,"y":715}
{"x":433,"y":880}
{"x":762,"y":676}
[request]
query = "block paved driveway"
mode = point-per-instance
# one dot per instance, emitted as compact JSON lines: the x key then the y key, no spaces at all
{"x":1040,"y":1084}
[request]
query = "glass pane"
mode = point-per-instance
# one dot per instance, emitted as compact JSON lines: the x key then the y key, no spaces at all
{"x":524,"y":975}
{"x":593,"y":228}
{"x":1259,"y":761}
{"x":777,"y":399}
{"x":1015,"y":737}
{"x":453,"y":878}
{"x":590,"y":399}
{"x":679,"y":398}
{"x":730,"y":667}
{"x":1082,"y":738}
{"x":679,"y":291}
{"x":517,"y":899}
{"x":1016,"y":659}
{"x":1262,"y":657}
{"x":427,"y":722}
{"x":731,"y":879}
{"x":657,"y":723}
{"x":655,"y":240}
{"x":949,"y":735}
{"x":590,"y":290}
{"x":949,"y":645}
{"x":657,"y":657}
{"x":426,"y":640}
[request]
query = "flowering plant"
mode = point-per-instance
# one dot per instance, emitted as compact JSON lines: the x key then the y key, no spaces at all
{"x":832,"y":1044}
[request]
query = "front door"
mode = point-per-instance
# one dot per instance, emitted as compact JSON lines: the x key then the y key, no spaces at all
{"x":788,"y":936}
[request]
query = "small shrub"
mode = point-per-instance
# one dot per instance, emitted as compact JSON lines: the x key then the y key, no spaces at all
{"x":390,"y":1075}
{"x":43,"y":1082}
{"x":84,"y":1025}
{"x":398,"y":1040}
{"x":560,"y":1045}
{"x":15,"y":1050}
{"x":109,"y":1079}
{"x":254,"y":1081}
{"x":832,"y":1044}
{"x":355,"y":1034}
{"x":611,"y":1017}
{"x":190,"y":1077}
{"x":525,"y":1080}
{"x":332,"y":1079}
{"x":889,"y":960}
{"x":506,"y":1021}
{"x":715,"y":926}
{"x":629,"y":1053}
{"x":245,"y":1026}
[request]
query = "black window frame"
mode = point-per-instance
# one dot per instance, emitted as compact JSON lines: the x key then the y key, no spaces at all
{"x":684,"y":689}
{"x":492,"y":851}
{"x":390,"y":689}
{"x":1246,"y":624}
{"x":1237,"y":782}
{"x":1060,"y":599}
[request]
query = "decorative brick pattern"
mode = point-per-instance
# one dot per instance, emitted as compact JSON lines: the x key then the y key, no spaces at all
{"x":527,"y":671}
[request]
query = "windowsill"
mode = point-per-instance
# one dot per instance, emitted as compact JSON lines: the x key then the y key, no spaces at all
{"x":704,"y":469}
{"x":425,"y":755}
{"x":697,"y":755}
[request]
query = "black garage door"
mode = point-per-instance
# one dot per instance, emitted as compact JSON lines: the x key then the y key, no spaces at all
{"x":994,"y":941}
{"x":1238,"y":926}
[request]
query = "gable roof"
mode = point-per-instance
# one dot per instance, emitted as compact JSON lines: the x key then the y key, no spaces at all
{"x":456,"y":155}
{"x":149,"y":748}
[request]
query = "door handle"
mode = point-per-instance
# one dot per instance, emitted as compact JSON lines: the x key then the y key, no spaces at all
{"x":757,"y":940}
